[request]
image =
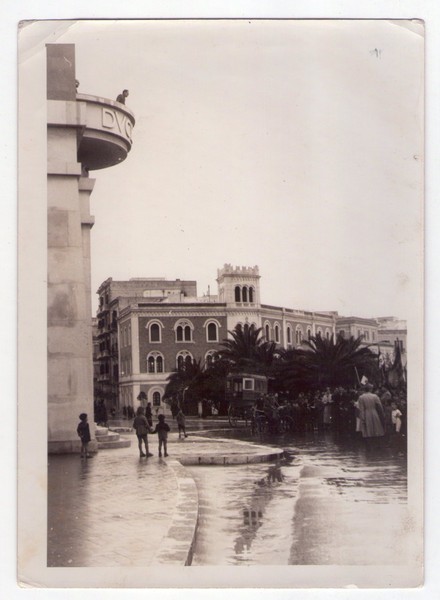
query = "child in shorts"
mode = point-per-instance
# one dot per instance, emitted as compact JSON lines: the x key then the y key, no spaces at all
{"x":162,"y":430}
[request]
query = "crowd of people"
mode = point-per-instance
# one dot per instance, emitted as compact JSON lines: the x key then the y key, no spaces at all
{"x":368,"y":412}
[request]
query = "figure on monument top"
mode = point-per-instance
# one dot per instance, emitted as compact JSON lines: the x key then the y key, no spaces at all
{"x":121,"y":97}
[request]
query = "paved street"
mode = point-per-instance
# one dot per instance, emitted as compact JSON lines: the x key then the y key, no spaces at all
{"x":336,"y":505}
{"x":330,"y":503}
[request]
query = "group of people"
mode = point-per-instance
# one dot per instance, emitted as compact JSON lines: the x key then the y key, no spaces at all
{"x":143,"y":424}
{"x":371,"y":413}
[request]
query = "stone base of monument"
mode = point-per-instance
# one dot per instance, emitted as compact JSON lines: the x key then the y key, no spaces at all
{"x":110,"y":439}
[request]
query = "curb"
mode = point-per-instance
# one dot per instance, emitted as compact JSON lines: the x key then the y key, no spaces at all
{"x":177,"y":546}
{"x":231,"y":459}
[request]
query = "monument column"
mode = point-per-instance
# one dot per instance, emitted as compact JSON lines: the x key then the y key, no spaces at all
{"x":84,"y":133}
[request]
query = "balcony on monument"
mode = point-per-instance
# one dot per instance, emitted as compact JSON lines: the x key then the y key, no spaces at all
{"x":106,"y":136}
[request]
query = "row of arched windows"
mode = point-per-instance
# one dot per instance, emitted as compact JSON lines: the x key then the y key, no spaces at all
{"x":156,"y":361}
{"x":244,"y":293}
{"x":183,"y":330}
{"x":299,"y":333}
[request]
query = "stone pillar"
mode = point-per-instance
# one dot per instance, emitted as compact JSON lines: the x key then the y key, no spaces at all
{"x":69,"y":335}
{"x":84,"y":133}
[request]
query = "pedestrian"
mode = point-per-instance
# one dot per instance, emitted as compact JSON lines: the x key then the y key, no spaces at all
{"x":180,"y":419}
{"x":200,"y":409}
{"x":371,"y":416}
{"x":83,"y":430}
{"x":121,"y":97}
{"x":140,"y":425}
{"x":396,"y":418}
{"x":149,"y":414}
{"x":162,"y":430}
{"x":327,"y":401}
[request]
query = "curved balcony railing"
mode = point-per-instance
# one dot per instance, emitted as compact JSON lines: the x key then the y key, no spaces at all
{"x":106,"y":138}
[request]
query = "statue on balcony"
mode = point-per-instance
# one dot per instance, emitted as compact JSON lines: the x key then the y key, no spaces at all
{"x":121,"y":97}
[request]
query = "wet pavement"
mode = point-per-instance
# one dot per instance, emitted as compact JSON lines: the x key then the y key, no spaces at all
{"x":330,"y":503}
{"x":119,"y":509}
{"x":336,"y":505}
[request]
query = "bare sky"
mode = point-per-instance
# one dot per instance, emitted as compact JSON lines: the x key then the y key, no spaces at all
{"x":292,"y":145}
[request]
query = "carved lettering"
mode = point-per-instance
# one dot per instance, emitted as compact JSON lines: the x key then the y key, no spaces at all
{"x":128,"y":128}
{"x":108,"y":118}
{"x":112,"y":119}
{"x":120,"y":118}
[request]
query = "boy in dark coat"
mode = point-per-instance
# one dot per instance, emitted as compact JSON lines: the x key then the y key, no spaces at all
{"x":83,"y":430}
{"x":140,"y":424}
{"x":162,"y":430}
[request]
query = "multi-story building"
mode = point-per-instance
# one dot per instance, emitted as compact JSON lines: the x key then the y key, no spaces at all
{"x":158,"y":324}
{"x":358,"y":327}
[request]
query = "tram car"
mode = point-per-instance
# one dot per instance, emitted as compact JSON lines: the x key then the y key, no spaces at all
{"x":243,"y":390}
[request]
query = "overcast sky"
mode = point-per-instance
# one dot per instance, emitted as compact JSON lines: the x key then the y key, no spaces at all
{"x":292,"y":145}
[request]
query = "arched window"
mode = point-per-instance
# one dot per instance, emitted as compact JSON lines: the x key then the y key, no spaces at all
{"x":212,"y":332}
{"x":154,"y":333}
{"x":183,"y":358}
{"x":237,"y":293}
{"x":267,"y":331}
{"x":277,"y":333}
{"x":210,"y":358}
{"x":184,"y":331}
{"x":327,"y":334}
{"x":251,"y":294}
{"x":156,"y":398}
{"x":319,"y":332}
{"x":289,"y":335}
{"x":309,"y":333}
{"x":298,"y":335}
{"x":155,"y":363}
{"x":244,"y":294}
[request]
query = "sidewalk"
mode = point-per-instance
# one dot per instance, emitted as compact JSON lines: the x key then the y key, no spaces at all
{"x":117,"y":509}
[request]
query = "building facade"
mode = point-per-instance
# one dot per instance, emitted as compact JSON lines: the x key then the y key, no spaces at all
{"x":84,"y":133}
{"x":157,"y":324}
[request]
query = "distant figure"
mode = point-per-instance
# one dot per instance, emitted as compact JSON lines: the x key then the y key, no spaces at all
{"x":371,"y":415}
{"x":149,"y":414}
{"x":140,"y":424}
{"x":121,"y":97}
{"x":162,"y":430}
{"x":327,"y":401}
{"x":76,"y":83}
{"x":83,"y":430}
{"x":102,"y":416}
{"x":200,"y":409}
{"x":180,"y":418}
{"x":396,"y":418}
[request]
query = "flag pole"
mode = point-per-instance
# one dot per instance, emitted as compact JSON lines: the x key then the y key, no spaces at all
{"x":357,"y":375}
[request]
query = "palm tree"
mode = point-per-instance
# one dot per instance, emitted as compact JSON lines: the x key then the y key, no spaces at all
{"x":325,"y":362}
{"x":186,"y":382}
{"x":248,"y":351}
{"x":194,"y":381}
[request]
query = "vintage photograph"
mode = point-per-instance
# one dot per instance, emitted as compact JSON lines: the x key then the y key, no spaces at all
{"x":230,"y":256}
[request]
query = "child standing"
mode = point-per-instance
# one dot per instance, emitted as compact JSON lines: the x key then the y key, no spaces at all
{"x":83,"y":430}
{"x":162,"y":430}
{"x":180,"y":419}
{"x":140,"y":424}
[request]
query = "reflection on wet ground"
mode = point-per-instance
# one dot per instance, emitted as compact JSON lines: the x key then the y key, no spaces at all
{"x":335,"y":504}
{"x":89,"y":525}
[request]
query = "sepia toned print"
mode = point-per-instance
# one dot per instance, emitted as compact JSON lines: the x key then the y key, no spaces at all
{"x":234,"y":301}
